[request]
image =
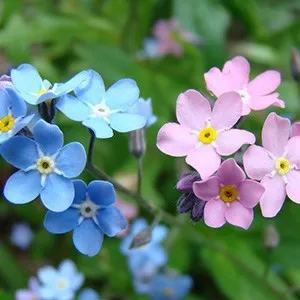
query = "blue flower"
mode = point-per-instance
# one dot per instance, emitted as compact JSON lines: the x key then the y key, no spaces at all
{"x":150,"y":49}
{"x":12,"y":114}
{"x":100,"y":110}
{"x":45,"y":167}
{"x":144,"y":107}
{"x":31,"y":293}
{"x":21,"y":235}
{"x":35,"y":90}
{"x":59,"y":284}
{"x":91,"y":216}
{"x":170,"y":287}
{"x":88,"y":294}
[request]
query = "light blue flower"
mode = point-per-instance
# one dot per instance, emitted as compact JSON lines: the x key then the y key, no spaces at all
{"x":35,"y":90}
{"x":88,"y":294}
{"x":100,"y":110}
{"x":170,"y":287}
{"x":31,"y":293}
{"x":12,"y":114}
{"x":150,"y":49}
{"x":21,"y":235}
{"x":144,"y":107}
{"x":60,"y":284}
{"x":45,"y":167}
{"x":91,"y":216}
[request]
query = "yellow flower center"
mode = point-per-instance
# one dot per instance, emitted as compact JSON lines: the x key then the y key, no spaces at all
{"x":207,"y":135}
{"x":6,"y":124}
{"x":168,"y":291}
{"x":45,"y":165}
{"x":41,"y":91}
{"x":228,"y":193}
{"x":282,"y":166}
{"x":61,"y":284}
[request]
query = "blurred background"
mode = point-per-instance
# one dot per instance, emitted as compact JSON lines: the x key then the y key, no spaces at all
{"x":63,"y":37}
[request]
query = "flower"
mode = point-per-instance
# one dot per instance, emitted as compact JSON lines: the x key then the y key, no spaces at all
{"x":45,"y":167}
{"x":5,"y":81}
{"x":276,"y":164}
{"x":88,"y":294}
{"x":91,"y":215}
{"x":100,"y":110}
{"x":257,"y":94}
{"x":12,"y":114}
{"x":31,"y":293}
{"x":204,"y":135}
{"x":35,"y":90}
{"x":150,"y":49}
{"x":21,"y":235}
{"x":144,"y":107}
{"x":60,"y":284}
{"x":231,"y":197}
{"x":170,"y":287}
{"x":296,"y":129}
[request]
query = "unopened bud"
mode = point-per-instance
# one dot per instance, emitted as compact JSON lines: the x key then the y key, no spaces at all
{"x":295,"y":64}
{"x":198,"y":210}
{"x":142,"y":238}
{"x":186,"y":202}
{"x":271,"y":237}
{"x":137,"y":144}
{"x":185,"y":182}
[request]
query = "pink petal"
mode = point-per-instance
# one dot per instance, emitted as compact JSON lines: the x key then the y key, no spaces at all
{"x":227,"y":110}
{"x":128,"y":210}
{"x":205,"y":160}
{"x":238,"y":215}
{"x":258,"y":102}
{"x":230,"y":173}
{"x":175,"y":140}
{"x":192,"y":110}
{"x":214,"y":213}
{"x":293,"y":151}
{"x":246,"y":110}
{"x":293,"y":186}
{"x":250,"y":192}
{"x":274,"y":196}
{"x":296,"y":129}
{"x":230,"y":141}
{"x":275,"y":134}
{"x":208,"y":189}
{"x":265,"y":83}
{"x":257,"y":162}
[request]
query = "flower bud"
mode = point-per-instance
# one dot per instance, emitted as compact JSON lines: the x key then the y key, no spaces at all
{"x":142,"y":238}
{"x":271,"y":237}
{"x":198,"y":210}
{"x":137,"y":144}
{"x":185,"y":183}
{"x":295,"y":64}
{"x":186,"y":202}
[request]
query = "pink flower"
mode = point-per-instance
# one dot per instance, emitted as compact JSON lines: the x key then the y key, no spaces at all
{"x":295,"y":129}
{"x":204,"y":135}
{"x":257,"y":94}
{"x":276,"y":164}
{"x":230,"y":196}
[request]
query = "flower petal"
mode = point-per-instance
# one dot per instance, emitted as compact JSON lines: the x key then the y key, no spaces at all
{"x":275,"y":134}
{"x":159,"y":233}
{"x":5,"y":103}
{"x":192,"y":110}
{"x":214,"y":213}
{"x":88,"y":294}
{"x":102,"y":193}
{"x":176,"y":140}
{"x":88,"y":238}
{"x":124,"y":122}
{"x":250,"y":192}
{"x":47,"y":275}
{"x":274,"y":196}
{"x":265,"y":83}
{"x":238,"y":215}
{"x":296,"y":129}
{"x":23,"y":187}
{"x":222,"y":116}
{"x":205,"y":160}
{"x":230,"y":141}
{"x":18,"y":106}
{"x":58,"y":193}
{"x":80,"y":191}
{"x":99,"y":127}
{"x":208,"y":189}
{"x":230,"y":173}
{"x":293,"y":186}
{"x":262,"y":102}
{"x":292,"y":149}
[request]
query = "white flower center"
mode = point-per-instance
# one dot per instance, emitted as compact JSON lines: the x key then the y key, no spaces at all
{"x":88,"y":209}
{"x":45,"y":165}
{"x":101,"y":110}
{"x":244,"y":95}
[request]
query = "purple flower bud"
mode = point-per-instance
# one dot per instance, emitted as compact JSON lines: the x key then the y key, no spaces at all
{"x":142,"y":238}
{"x":185,"y":183}
{"x":198,"y":210}
{"x":186,"y":202}
{"x":137,"y":143}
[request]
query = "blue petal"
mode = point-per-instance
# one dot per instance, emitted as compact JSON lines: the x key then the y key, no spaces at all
{"x":122,"y":95}
{"x":101,"y":192}
{"x":88,"y":294}
{"x":91,"y":90}
{"x":23,"y":187}
{"x":111,"y":221}
{"x":73,"y":108}
{"x":123,"y":122}
{"x":58,"y":193}
{"x":42,"y":98}
{"x":159,"y":233}
{"x":80,"y":191}
{"x":23,"y":159}
{"x":49,"y":137}
{"x":61,"y":222}
{"x":68,"y":270}
{"x":182,"y":285}
{"x":71,"y":160}
{"x":4,"y":103}
{"x":99,"y":127}
{"x":88,"y":238}
{"x":18,"y":106}
{"x":47,"y":275}
{"x":21,"y":124}
{"x":158,"y":255}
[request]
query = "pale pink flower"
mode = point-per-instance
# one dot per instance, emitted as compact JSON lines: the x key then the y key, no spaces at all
{"x":296,"y":129}
{"x":257,"y":94}
{"x":276,"y":164}
{"x":230,"y":196}
{"x":203,"y":135}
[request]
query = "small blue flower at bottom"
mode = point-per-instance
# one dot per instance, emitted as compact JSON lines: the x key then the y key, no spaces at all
{"x":31,"y":293}
{"x":88,"y":294}
{"x":91,"y":215}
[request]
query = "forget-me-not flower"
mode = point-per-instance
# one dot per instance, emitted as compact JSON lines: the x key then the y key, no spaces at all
{"x":35,"y":90}
{"x":5,"y":81}
{"x":100,"y":110}
{"x":60,"y":284}
{"x":88,"y":294}
{"x":12,"y":114}
{"x":45,"y":167}
{"x":91,"y":216}
{"x":21,"y":235}
{"x":33,"y":291}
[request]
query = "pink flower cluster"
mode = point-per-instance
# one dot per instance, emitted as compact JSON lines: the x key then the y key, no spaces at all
{"x":205,"y":134}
